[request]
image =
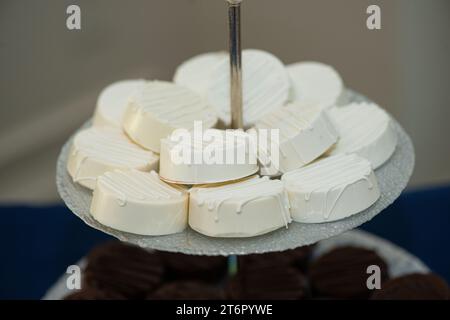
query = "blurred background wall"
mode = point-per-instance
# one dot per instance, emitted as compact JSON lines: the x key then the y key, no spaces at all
{"x":50,"y":77}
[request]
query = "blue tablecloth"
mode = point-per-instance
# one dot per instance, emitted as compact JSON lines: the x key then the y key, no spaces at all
{"x":40,"y":242}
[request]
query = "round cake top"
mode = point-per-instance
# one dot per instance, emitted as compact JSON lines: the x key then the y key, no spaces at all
{"x":210,"y":139}
{"x":358,"y":124}
{"x":328,"y":173}
{"x":195,"y":73}
{"x":173,"y":104}
{"x":290,"y":120}
{"x":111,"y":145}
{"x":138,"y":185}
{"x":113,"y":100}
{"x":315,"y":83}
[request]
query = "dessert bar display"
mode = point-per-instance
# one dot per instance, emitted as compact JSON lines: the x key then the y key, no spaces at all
{"x":327,"y":151}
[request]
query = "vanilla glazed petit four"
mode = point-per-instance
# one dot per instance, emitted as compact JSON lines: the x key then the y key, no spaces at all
{"x":304,"y":135}
{"x":213,"y":157}
{"x":195,"y":73}
{"x":97,"y":150}
{"x":113,"y":100}
{"x":366,"y":130}
{"x":139,"y":202}
{"x":265,"y":85}
{"x":331,"y":189}
{"x":159,"y":108}
{"x":315,"y":84}
{"x":245,"y":209}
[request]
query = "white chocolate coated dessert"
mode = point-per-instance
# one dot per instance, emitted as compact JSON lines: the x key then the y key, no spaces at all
{"x":245,"y":209}
{"x":159,"y":108}
{"x":265,"y":85}
{"x":195,"y":73}
{"x":100,"y":149}
{"x":331,"y":189}
{"x":113,"y":101}
{"x":304,"y":135}
{"x":315,"y":84}
{"x":139,"y":202}
{"x":366,"y":130}
{"x":215,"y":156}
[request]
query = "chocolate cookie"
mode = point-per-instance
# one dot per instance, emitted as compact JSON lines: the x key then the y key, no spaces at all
{"x":414,"y":287}
{"x":188,"y":267}
{"x":124,"y":269}
{"x":296,"y":257}
{"x":268,"y":283}
{"x":187,"y":290}
{"x":93,"y":294}
{"x":342,"y":273}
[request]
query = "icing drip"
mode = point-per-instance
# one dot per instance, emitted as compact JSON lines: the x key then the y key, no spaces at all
{"x":331,"y":175}
{"x":243,"y":193}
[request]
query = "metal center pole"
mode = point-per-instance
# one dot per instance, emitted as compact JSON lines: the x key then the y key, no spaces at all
{"x":237,"y":117}
{"x":234,"y":30}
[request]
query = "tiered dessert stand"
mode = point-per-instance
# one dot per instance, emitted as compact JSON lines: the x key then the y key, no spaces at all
{"x":392,"y":177}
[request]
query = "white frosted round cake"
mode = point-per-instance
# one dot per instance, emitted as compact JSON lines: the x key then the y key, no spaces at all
{"x":244,"y":209}
{"x":159,"y":108}
{"x":366,"y":130}
{"x":99,"y":150}
{"x":331,"y":189}
{"x":315,"y":84}
{"x":216,"y":156}
{"x":195,"y":73}
{"x":113,"y":101}
{"x":305,"y":133}
{"x":139,"y":202}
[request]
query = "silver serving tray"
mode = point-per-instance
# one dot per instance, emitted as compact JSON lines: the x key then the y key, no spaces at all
{"x":392,"y":177}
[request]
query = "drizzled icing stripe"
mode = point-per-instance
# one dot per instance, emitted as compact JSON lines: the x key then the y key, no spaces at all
{"x":112,"y":146}
{"x":174,"y":104}
{"x":331,"y":175}
{"x":137,"y":185}
{"x":290,"y":120}
{"x":329,"y":166}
